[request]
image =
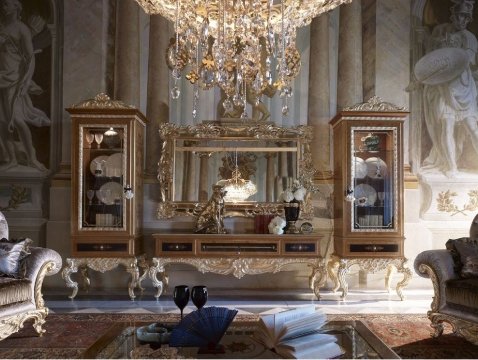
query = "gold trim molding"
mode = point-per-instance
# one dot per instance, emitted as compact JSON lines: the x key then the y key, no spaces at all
{"x":375,"y":103}
{"x":169,"y":133}
{"x":101,"y":101}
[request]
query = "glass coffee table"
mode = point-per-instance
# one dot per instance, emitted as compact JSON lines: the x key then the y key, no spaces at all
{"x":357,"y":340}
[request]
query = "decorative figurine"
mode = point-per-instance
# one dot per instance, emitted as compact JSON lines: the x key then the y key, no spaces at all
{"x":210,"y":220}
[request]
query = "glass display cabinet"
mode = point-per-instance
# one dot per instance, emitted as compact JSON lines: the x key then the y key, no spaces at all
{"x":107,"y":188}
{"x":368,"y":186}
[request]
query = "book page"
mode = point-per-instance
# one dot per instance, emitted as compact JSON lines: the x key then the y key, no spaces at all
{"x":285,"y":316}
{"x":275,"y":327}
{"x":304,"y":325}
{"x":308,"y":341}
{"x":322,"y":351}
{"x":265,"y":333}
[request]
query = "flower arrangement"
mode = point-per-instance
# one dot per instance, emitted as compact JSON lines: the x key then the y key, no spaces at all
{"x":276,"y":226}
{"x":295,"y":192}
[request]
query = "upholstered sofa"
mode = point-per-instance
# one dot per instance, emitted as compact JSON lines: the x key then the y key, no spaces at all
{"x":454,"y":274}
{"x":21,"y":288}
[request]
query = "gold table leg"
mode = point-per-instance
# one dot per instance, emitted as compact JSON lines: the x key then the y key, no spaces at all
{"x":332,"y":269}
{"x":101,"y":265}
{"x":338,"y":268}
{"x":154,"y":270}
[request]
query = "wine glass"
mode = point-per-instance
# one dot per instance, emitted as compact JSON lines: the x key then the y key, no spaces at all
{"x":89,"y":138}
{"x":181,"y":297}
{"x":90,"y":194}
{"x":381,"y":197}
{"x":98,"y":139}
{"x":199,"y":296}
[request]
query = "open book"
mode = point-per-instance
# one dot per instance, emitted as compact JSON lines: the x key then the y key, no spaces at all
{"x":295,"y":334}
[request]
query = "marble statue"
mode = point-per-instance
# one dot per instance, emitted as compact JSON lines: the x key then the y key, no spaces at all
{"x":211,"y":218}
{"x":449,"y":92}
{"x":17,"y":65}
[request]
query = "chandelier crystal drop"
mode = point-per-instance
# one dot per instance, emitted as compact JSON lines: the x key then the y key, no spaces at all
{"x":232,"y":44}
{"x":237,"y":189}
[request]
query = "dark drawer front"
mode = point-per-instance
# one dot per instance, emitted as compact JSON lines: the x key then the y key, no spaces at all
{"x":176,"y":247}
{"x":300,"y":248}
{"x":95,"y":247}
{"x":375,"y":248}
{"x":238,"y":248}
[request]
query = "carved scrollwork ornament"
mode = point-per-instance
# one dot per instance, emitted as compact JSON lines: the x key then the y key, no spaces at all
{"x":375,"y":103}
{"x":101,"y":101}
{"x":200,"y":135}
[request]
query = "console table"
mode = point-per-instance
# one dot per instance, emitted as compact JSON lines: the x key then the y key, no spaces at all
{"x":237,"y":254}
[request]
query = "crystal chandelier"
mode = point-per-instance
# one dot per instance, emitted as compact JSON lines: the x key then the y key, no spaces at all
{"x":233,"y":44}
{"x":237,"y":189}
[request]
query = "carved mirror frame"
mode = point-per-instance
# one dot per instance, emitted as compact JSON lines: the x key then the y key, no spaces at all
{"x":169,"y":133}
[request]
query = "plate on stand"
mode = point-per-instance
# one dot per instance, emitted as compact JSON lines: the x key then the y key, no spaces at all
{"x":365,"y":195}
{"x":110,"y":192}
{"x":114,"y":165}
{"x":376,"y":168}
{"x":99,"y":163}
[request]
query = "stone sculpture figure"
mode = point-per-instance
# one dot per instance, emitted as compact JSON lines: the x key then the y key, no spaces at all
{"x":211,"y":218}
{"x":449,"y":92}
{"x":17,"y":64}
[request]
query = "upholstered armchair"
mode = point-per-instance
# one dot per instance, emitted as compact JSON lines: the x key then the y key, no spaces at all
{"x":21,"y":282}
{"x":454,"y":274}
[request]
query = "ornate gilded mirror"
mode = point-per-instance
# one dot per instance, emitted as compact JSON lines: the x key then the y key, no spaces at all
{"x":254,"y":162}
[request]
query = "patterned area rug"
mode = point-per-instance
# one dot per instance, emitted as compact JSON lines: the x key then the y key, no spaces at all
{"x":70,"y":335}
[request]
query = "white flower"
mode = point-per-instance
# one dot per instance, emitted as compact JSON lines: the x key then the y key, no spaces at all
{"x":288,"y":195}
{"x":294,"y":192}
{"x":276,"y":225}
{"x":299,"y":194}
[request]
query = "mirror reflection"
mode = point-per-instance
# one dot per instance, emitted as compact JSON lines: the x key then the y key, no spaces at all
{"x":254,"y":163}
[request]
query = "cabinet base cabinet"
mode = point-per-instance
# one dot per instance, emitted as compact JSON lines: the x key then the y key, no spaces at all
{"x":363,"y":247}
{"x":131,"y":265}
{"x":338,"y":267}
{"x":105,"y":247}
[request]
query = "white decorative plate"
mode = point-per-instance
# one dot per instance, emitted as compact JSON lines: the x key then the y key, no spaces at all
{"x":110,"y":192}
{"x":376,"y":168}
{"x":99,"y":163}
{"x":114,"y":165}
{"x":365,"y":195}
{"x":360,"y":167}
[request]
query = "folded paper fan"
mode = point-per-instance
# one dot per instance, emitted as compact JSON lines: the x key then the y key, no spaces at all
{"x":202,"y":328}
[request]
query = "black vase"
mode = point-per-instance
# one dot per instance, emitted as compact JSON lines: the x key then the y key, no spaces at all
{"x":291,"y":212}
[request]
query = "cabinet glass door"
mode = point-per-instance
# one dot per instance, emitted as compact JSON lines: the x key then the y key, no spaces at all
{"x":102,"y":172}
{"x":373,"y":177}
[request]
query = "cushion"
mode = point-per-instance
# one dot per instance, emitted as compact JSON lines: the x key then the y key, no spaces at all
{"x":11,"y":254}
{"x":461,"y":249}
{"x":462,"y":294}
{"x":14,"y":290}
{"x":474,"y":228}
{"x":470,"y":267}
{"x":3,"y":226}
